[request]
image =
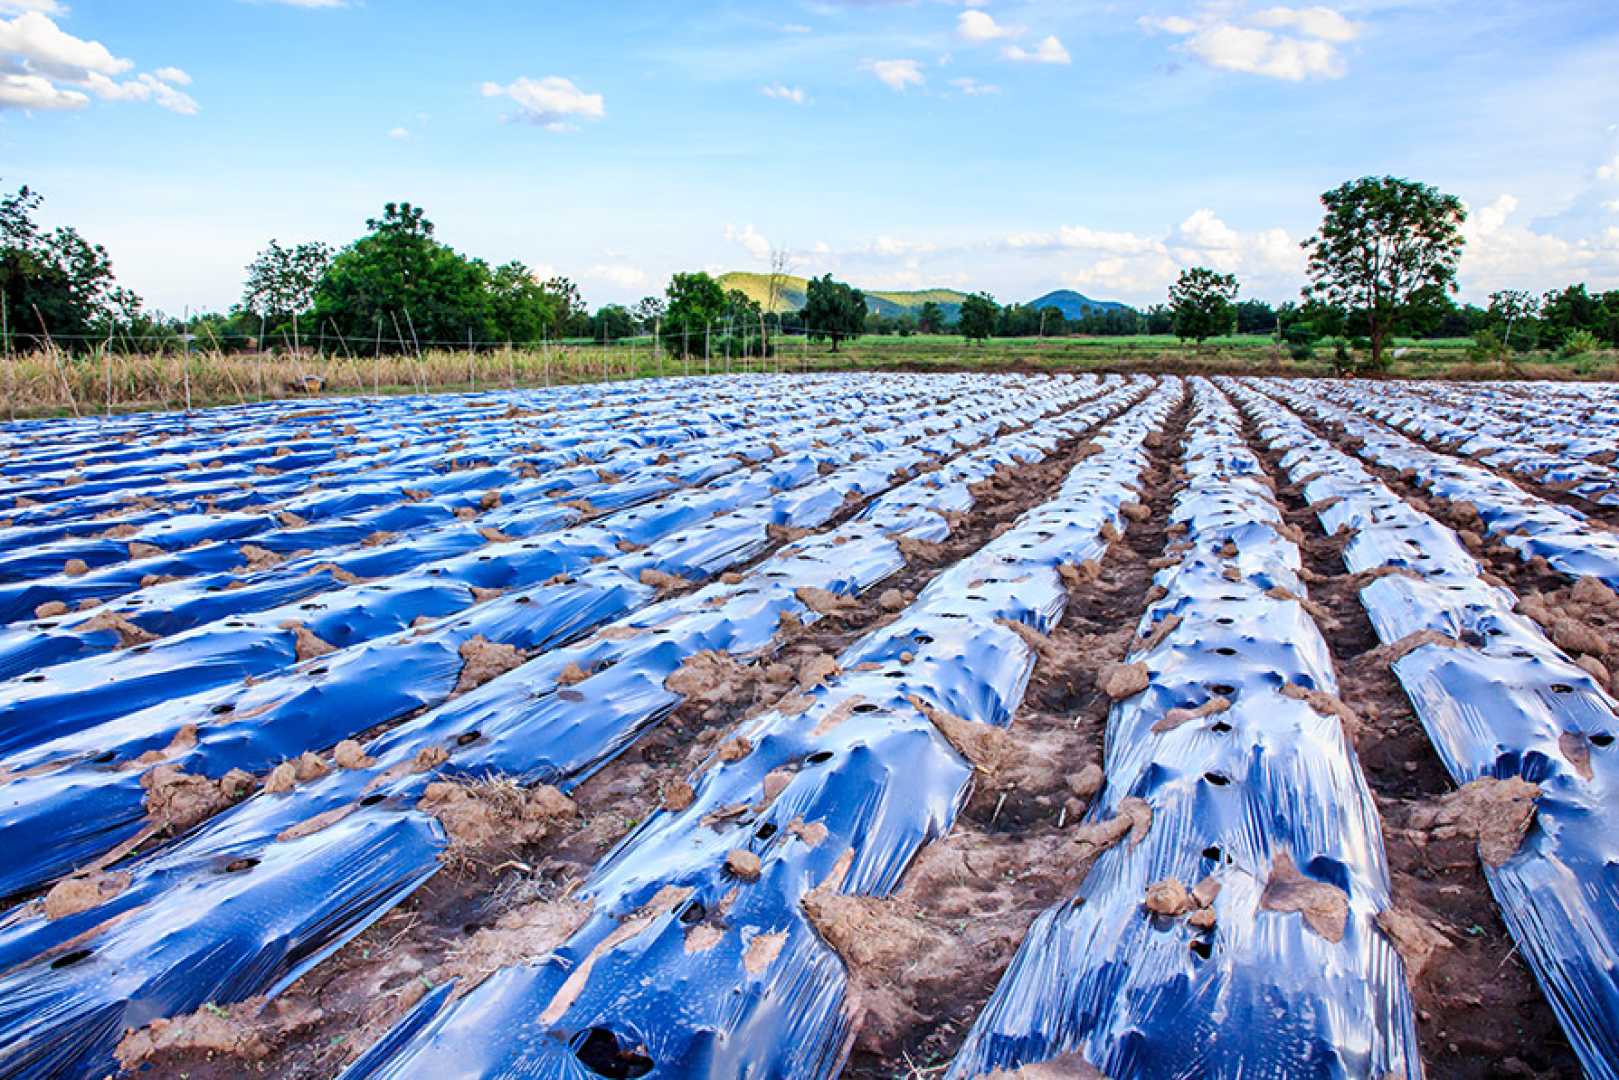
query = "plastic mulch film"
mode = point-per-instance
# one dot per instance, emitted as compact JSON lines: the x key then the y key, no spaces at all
{"x":1500,"y":703}
{"x":1562,"y":435}
{"x":81,"y":694}
{"x":82,"y":792}
{"x":695,"y":956}
{"x":1234,"y":935}
{"x":263,"y":891}
{"x":1531,"y":526}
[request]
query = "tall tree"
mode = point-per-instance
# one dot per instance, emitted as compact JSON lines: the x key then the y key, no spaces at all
{"x":979,"y":314}
{"x":1203,"y":304}
{"x":1512,"y":315}
{"x":696,"y":302}
{"x":399,"y":284}
{"x":1382,"y":242}
{"x":281,"y":282}
{"x":56,"y":286}
{"x":834,"y":310}
{"x":930,"y":319}
{"x":521,"y":311}
{"x":572,"y":317}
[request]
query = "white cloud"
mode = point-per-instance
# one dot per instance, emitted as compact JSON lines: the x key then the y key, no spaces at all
{"x":780,"y":92}
{"x":751,"y":239}
{"x":1257,"y":44}
{"x":1080,"y":238}
{"x":795,"y":28}
{"x":144,"y":87}
{"x":307,"y":3}
{"x":553,"y":102}
{"x":897,"y":74}
{"x":1049,"y":51}
{"x":37,"y":92}
{"x":44,"y":7}
{"x":399,"y":133}
{"x":36,"y":56}
{"x":973,"y":88}
{"x":620,"y":274}
{"x":1317,"y":22}
{"x":43,"y":48}
{"x":1610,"y":170}
{"x":980,"y":26}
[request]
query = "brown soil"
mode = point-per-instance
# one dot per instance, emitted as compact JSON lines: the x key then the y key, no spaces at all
{"x":1478,"y":1006}
{"x":1019,"y":847}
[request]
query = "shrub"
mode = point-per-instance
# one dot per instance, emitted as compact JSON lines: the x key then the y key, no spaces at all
{"x":1579,"y":343}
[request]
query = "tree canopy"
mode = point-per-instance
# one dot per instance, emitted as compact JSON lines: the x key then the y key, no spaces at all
{"x":1385,"y":246}
{"x":54,"y":284}
{"x":834,"y":310}
{"x":1203,"y":304}
{"x":979,"y":313}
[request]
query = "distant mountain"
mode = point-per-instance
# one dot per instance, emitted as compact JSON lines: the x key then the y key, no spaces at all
{"x":1074,"y":305}
{"x":791,"y":295}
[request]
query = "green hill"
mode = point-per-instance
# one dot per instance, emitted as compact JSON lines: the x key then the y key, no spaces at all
{"x":883,"y":302}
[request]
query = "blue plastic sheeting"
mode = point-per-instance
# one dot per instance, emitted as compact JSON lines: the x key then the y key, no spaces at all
{"x":557,"y":466}
{"x":1498,"y":701}
{"x":1553,"y":433}
{"x":77,"y":696}
{"x":839,"y":794}
{"x":436,"y":467}
{"x":263,"y":891}
{"x":1232,"y":795}
{"x":83,"y":790}
{"x":1529,"y":525}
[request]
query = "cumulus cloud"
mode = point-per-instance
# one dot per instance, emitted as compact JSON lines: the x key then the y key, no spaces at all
{"x":37,"y":57}
{"x":780,"y":92}
{"x":1291,"y":44}
{"x":44,"y":7}
{"x":897,"y":74}
{"x":751,"y":239}
{"x":37,"y":92}
{"x":1501,"y":253}
{"x":1141,"y":265}
{"x":980,"y":26}
{"x":44,"y":48}
{"x":553,"y":103}
{"x":1049,"y":51}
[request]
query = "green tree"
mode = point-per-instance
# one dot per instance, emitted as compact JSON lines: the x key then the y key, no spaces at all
{"x":834,"y":310}
{"x":930,"y":319}
{"x":572,"y":317}
{"x":55,"y":285}
{"x":979,"y":314}
{"x":1512,"y":317}
{"x":1382,"y":242}
{"x":1203,"y":304}
{"x":281,"y":283}
{"x":612,"y":322}
{"x":521,"y":311}
{"x":400,"y":284}
{"x":1255,"y":317}
{"x":696,"y":302}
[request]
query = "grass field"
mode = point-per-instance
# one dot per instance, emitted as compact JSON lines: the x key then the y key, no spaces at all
{"x":47,"y":384}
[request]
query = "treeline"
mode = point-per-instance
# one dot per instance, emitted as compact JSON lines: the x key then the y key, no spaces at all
{"x":397,"y":288}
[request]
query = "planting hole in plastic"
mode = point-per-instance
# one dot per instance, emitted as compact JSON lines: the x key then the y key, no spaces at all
{"x":1217,"y":779}
{"x":69,"y":959}
{"x":600,"y":1052}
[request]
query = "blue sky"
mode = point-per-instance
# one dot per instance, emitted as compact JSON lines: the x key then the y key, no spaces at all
{"x":1010,"y":145}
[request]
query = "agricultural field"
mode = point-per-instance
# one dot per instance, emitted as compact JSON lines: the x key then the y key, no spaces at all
{"x":872,"y":724}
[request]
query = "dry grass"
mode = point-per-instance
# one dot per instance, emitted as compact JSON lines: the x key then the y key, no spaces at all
{"x":55,"y":383}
